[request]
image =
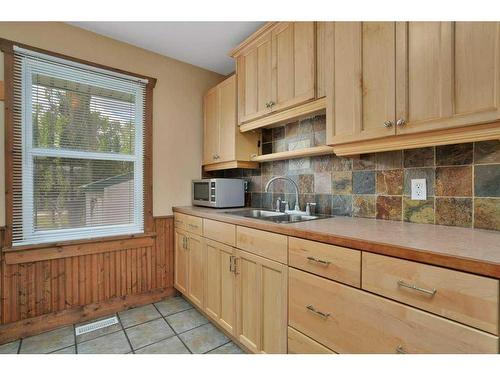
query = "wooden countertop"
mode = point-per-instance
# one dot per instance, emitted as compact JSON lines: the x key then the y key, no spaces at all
{"x":471,"y":250}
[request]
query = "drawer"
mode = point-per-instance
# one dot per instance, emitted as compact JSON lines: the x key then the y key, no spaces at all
{"x":299,"y":343}
{"x":266,"y":244}
{"x":349,"y":320}
{"x":460,"y":296}
{"x":188,"y":223}
{"x":219,"y":231}
{"x":334,"y":262}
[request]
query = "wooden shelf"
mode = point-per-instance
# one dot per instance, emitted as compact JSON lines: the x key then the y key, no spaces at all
{"x":310,"y":151}
{"x":231,"y":165}
{"x":278,"y":118}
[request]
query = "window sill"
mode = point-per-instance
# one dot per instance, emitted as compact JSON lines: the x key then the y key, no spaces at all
{"x":66,"y":249}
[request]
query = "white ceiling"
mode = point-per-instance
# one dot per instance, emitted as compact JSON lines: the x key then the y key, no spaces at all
{"x":204,"y":44}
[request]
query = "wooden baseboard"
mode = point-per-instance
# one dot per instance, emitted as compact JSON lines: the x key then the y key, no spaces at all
{"x":28,"y":327}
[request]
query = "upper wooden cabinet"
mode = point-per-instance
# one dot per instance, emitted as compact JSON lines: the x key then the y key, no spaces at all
{"x":391,"y":79}
{"x":276,"y":69}
{"x":448,"y":74}
{"x":361,"y":89}
{"x":223,"y":144}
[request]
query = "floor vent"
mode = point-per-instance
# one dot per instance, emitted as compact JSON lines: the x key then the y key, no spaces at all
{"x":96,"y":325}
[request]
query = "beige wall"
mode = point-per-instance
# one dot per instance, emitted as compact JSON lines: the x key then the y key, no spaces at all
{"x":177,"y":105}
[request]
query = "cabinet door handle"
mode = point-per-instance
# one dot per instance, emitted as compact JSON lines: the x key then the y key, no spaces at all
{"x":235,"y":266}
{"x":401,"y":122}
{"x":400,"y":350}
{"x":320,"y":261}
{"x":231,"y":266}
{"x":312,"y":309}
{"x":430,"y":292}
{"x":388,"y":124}
{"x":178,"y":222}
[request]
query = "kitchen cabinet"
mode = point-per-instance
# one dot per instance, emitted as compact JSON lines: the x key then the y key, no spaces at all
{"x":361,"y":94}
{"x":181,"y":260}
{"x":448,"y":74}
{"x":196,"y":269}
{"x":220,"y":284}
{"x":348,"y":320}
{"x":261,"y":302}
{"x":223,"y":144}
{"x":275,"y":69}
{"x":390,"y":80}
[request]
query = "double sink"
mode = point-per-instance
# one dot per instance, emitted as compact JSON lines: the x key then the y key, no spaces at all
{"x":274,"y":216}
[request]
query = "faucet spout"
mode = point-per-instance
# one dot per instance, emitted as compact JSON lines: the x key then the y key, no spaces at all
{"x":297,"y":207}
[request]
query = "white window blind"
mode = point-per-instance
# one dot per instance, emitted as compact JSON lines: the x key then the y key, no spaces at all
{"x":77,"y":151}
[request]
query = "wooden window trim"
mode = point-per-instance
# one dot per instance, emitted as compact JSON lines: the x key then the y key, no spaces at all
{"x":7,"y":47}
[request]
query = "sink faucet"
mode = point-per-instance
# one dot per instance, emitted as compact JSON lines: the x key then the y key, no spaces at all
{"x":297,"y":207}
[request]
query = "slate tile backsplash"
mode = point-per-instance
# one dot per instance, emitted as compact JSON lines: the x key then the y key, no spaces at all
{"x":463,"y":180}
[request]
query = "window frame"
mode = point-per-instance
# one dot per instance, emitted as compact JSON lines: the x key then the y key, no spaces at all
{"x":7,"y":47}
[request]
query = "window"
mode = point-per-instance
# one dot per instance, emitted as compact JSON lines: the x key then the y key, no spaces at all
{"x":78,"y":135}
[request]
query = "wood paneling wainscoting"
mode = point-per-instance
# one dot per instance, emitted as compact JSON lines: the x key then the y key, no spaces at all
{"x":43,"y":288}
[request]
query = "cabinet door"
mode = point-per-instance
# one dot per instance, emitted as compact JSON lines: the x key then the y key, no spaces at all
{"x":195,"y":269}
{"x":361,"y":96}
{"x":220,"y":285}
{"x":294,"y":64}
{"x":261,"y":303}
{"x":210,"y":126}
{"x":448,"y":74}
{"x":227,"y":119}
{"x":254,"y":70}
{"x":181,"y":262}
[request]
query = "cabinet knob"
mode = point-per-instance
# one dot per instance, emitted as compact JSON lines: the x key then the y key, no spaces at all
{"x":388,"y":124}
{"x":401,"y":122}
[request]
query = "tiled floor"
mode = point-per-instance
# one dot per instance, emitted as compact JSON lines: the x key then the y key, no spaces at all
{"x":171,"y":326}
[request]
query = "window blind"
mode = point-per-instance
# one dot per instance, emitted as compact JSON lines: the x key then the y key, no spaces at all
{"x":77,"y":150}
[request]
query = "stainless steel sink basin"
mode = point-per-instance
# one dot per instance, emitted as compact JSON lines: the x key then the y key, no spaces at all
{"x":275,"y":217}
{"x":257,"y":214}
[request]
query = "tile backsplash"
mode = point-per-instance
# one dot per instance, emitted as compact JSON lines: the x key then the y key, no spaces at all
{"x":463,"y":180}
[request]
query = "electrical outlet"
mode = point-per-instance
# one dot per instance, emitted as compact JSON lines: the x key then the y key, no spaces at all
{"x":419,"y":189}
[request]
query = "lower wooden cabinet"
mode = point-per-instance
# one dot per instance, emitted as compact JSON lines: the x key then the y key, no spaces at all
{"x":181,"y":259}
{"x":349,"y":320}
{"x":220,"y":285}
{"x":196,"y":269}
{"x":299,"y":343}
{"x":261,"y":303}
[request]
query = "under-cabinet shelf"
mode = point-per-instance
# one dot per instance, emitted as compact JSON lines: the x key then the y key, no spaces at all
{"x":310,"y":151}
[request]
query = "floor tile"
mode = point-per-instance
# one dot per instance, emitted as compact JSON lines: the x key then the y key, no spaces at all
{"x":10,"y":347}
{"x":229,"y":348}
{"x":99,"y":332}
{"x":186,"y":320}
{"x":203,"y":339}
{"x":49,"y":341}
{"x":149,"y":333}
{"x":171,"y":345}
{"x":173,"y":305}
{"x":138,"y":315}
{"x":114,"y":343}
{"x":68,"y":350}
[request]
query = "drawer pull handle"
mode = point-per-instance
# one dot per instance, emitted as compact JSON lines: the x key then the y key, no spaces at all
{"x":178,"y":222}
{"x":414,"y":287}
{"x":320,"y":261}
{"x":311,"y":308}
{"x":400,"y":350}
{"x":193,"y":226}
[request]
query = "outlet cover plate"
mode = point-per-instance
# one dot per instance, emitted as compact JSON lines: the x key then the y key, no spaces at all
{"x":419,"y":189}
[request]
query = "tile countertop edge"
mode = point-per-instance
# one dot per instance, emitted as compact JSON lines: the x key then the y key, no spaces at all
{"x":483,"y":246}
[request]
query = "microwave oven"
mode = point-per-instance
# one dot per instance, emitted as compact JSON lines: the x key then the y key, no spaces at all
{"x":218,"y":192}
